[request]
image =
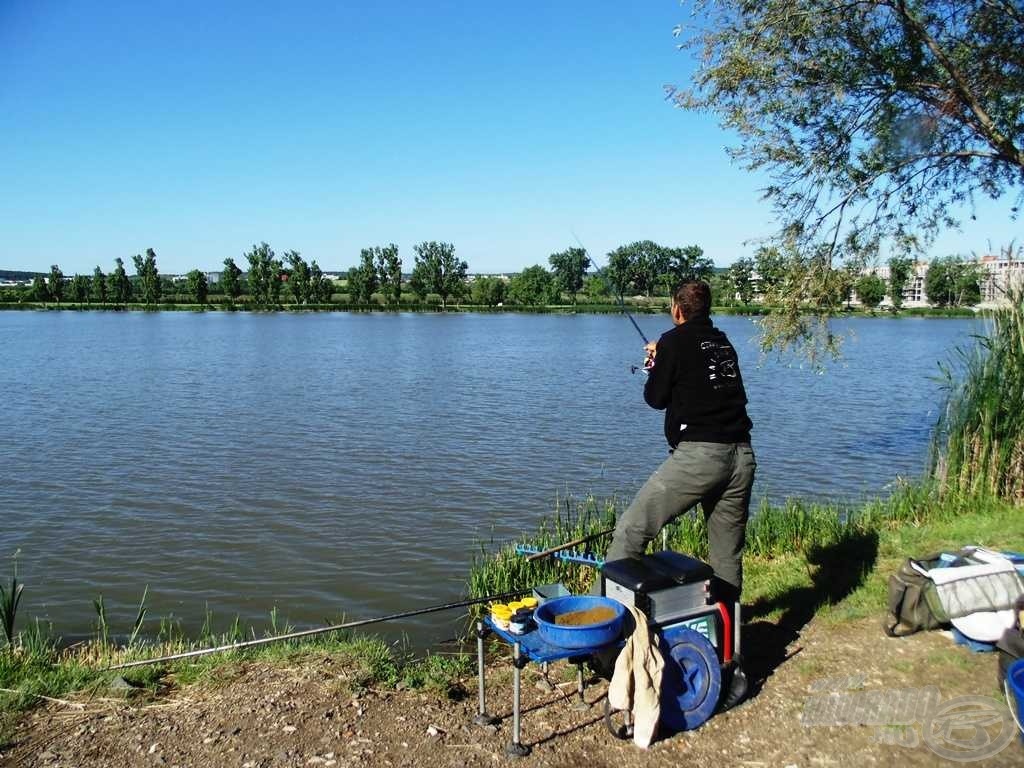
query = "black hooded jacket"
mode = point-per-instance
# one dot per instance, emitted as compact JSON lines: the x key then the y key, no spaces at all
{"x":696,"y":377}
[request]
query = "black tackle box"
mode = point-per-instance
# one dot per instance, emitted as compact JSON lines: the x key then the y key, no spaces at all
{"x":664,"y":585}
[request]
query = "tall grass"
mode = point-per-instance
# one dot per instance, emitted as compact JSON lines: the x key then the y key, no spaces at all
{"x":979,"y":441}
{"x":9,"y":600}
{"x":793,"y":528}
{"x":502,"y":570}
{"x":772,"y":531}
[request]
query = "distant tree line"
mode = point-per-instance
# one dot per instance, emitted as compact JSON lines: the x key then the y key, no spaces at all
{"x":437,"y":275}
{"x":769,"y":277}
{"x":642,"y":269}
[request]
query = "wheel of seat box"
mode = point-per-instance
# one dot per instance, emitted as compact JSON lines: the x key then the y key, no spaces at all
{"x":691,"y":683}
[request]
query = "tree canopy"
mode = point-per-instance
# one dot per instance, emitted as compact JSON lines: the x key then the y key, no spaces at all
{"x":389,"y":272}
{"x":900,"y":270}
{"x":534,"y":286}
{"x":80,"y":285}
{"x":569,"y":267}
{"x":149,"y":276}
{"x":870,"y":290}
{"x":363,"y":280}
{"x":952,"y":282}
{"x":198,"y":285}
{"x":489,"y":291}
{"x":438,"y":270}
{"x":875,"y":120}
{"x":119,"y":287}
{"x":264,"y":275}
{"x":230,"y":285}
{"x":99,"y":285}
{"x":299,"y":279}
{"x":55,"y":284}
{"x":741,"y":273}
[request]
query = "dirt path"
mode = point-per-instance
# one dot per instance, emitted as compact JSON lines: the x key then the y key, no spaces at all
{"x":306,"y":715}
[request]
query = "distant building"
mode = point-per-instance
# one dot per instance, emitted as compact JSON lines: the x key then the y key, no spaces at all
{"x":913,"y":291}
{"x":1002,"y":274}
{"x":503,"y":276}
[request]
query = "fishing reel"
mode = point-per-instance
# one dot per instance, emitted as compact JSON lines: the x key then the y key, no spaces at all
{"x":645,"y":369}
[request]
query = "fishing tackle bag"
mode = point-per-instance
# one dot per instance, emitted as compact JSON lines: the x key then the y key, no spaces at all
{"x":913,"y":602}
{"x":974,"y":590}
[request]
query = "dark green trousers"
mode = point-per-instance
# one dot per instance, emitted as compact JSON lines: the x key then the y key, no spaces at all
{"x":718,"y":476}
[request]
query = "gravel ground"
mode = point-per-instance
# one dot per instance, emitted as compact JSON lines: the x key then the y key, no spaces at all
{"x":258,"y":715}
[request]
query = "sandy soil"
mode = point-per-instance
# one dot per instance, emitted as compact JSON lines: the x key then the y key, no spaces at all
{"x":258,"y":716}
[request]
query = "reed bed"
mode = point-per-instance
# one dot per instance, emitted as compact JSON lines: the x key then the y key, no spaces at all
{"x":979,"y":442}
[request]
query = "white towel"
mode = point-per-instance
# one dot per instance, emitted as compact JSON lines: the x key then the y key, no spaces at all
{"x":636,"y":682}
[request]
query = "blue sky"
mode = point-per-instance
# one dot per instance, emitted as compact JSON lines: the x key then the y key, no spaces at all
{"x":198,"y":129}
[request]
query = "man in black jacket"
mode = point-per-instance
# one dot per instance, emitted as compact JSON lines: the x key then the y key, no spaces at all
{"x":694,"y":376}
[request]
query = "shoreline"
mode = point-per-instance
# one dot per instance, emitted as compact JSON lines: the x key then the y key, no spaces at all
{"x":554,"y":309}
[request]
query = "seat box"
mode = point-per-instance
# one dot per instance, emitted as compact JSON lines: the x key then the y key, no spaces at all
{"x":663,"y":585}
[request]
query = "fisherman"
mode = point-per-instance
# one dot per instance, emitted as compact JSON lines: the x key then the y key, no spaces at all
{"x":694,"y":376}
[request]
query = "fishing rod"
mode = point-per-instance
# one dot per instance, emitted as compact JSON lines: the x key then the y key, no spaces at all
{"x":631,"y":319}
{"x":618,"y":293}
{"x":318,"y":630}
{"x":622,"y":305}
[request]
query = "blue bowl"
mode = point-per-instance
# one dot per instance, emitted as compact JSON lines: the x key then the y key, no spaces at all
{"x":1015,"y":685}
{"x":585,"y":635}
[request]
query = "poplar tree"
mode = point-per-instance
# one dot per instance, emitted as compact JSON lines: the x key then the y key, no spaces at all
{"x":99,"y":286}
{"x":119,"y":286}
{"x":149,"y":277}
{"x":230,"y":285}
{"x":55,"y":285}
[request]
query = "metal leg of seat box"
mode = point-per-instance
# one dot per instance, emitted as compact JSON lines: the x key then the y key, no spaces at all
{"x":482,"y":718}
{"x":581,"y":702}
{"x":516,"y":748}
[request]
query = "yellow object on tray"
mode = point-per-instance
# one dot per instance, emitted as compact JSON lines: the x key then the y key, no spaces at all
{"x":500,"y":615}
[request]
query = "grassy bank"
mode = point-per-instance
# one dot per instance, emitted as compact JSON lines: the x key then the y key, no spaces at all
{"x":35,"y":668}
{"x":828,"y":560}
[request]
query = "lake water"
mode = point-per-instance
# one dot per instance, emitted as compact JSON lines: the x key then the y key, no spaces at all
{"x":329,"y":463}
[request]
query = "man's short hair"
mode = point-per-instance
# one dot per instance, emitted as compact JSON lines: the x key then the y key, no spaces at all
{"x":693,"y":298}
